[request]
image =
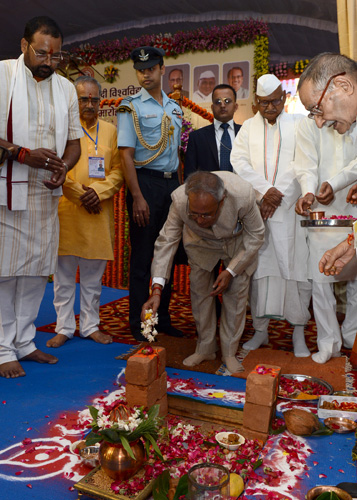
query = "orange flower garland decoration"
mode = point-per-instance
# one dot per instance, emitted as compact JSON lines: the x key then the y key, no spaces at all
{"x":187,"y":103}
{"x":197,"y":109}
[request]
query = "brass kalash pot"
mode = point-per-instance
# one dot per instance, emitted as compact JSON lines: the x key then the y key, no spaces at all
{"x":114,"y":459}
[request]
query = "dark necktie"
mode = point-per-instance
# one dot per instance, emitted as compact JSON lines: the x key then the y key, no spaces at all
{"x":225,"y":149}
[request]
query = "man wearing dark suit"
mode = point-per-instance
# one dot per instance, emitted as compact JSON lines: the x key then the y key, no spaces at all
{"x":209,"y":147}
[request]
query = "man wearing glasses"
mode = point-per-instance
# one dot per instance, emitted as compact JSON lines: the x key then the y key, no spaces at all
{"x":86,"y":215}
{"x":209,"y":148}
{"x":39,"y":123}
{"x":218,"y":218}
{"x":325,"y":165}
{"x":262,"y":153}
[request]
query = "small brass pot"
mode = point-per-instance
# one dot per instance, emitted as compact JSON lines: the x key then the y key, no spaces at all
{"x":317,"y":215}
{"x":116,"y":461}
{"x":318,"y":490}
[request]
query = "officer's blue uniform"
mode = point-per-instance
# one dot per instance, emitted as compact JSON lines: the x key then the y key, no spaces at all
{"x":157,"y":180}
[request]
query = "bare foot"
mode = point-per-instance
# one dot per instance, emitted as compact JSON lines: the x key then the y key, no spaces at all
{"x":11,"y":369}
{"x":100,"y":337}
{"x":40,"y":357}
{"x":57,"y":341}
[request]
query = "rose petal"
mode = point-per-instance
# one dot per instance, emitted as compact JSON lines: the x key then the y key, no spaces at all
{"x":29,"y":486}
{"x":322,"y":476}
{"x":18,"y":472}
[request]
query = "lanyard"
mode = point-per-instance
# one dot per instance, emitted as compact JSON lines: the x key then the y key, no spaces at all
{"x":96,"y":139}
{"x":265,"y":153}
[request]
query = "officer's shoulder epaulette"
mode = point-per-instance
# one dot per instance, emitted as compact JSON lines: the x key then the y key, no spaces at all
{"x":124,"y":106}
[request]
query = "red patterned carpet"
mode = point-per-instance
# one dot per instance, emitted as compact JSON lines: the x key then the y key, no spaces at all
{"x":114,"y":320}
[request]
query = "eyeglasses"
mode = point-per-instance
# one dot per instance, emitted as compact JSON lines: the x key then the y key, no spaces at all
{"x":274,"y":102}
{"x":42,"y":55}
{"x":315,"y":110}
{"x":195,"y":216}
{"x":219,"y":102}
{"x":86,"y":100}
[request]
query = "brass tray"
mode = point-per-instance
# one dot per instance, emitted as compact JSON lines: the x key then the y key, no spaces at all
{"x":300,"y":378}
{"x":340,"y":424}
{"x":85,"y":487}
{"x":327,"y":223}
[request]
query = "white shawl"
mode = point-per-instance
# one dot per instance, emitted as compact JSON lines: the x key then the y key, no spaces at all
{"x":19,"y":96}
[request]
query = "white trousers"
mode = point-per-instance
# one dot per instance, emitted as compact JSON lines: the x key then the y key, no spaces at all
{"x":91,"y":273}
{"x":328,"y":330}
{"x":20,"y":300}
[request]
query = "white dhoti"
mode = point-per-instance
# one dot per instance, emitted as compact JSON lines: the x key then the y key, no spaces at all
{"x":20,"y":300}
{"x":91,"y":273}
{"x":275,"y":298}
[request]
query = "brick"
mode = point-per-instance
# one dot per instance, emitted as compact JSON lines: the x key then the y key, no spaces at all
{"x":140,"y":395}
{"x":163,"y":406}
{"x":258,"y":417}
{"x":143,"y":369}
{"x":250,"y":434}
{"x":263,"y":389}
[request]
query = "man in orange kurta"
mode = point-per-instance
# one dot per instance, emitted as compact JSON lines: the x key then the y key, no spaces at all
{"x":86,"y":217}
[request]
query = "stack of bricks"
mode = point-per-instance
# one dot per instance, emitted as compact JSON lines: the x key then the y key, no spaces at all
{"x":146,"y":379}
{"x":260,"y":401}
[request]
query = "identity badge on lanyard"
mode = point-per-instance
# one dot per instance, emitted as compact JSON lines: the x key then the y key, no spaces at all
{"x":95,"y":163}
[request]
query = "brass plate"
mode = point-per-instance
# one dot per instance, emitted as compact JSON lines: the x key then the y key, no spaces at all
{"x":344,"y":424}
{"x":300,"y":378}
{"x":84,"y":486}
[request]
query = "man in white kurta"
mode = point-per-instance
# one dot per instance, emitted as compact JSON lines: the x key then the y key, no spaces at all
{"x":86,"y":215}
{"x":326,"y":168}
{"x":39,"y":122}
{"x":262,"y":155}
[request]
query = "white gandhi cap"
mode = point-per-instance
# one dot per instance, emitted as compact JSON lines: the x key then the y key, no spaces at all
{"x":266,"y":85}
{"x":207,"y":74}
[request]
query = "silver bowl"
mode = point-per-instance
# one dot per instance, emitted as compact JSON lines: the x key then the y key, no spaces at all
{"x":90,"y":455}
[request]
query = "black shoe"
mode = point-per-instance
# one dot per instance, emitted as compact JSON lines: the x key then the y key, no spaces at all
{"x":171,"y":331}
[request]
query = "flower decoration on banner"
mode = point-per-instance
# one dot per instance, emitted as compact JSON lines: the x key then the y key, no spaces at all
{"x":185,"y":132}
{"x":187,"y":103}
{"x":299,"y":66}
{"x":148,"y":329}
{"x":280,"y":70}
{"x":261,"y":56}
{"x":118,"y":424}
{"x":215,"y":38}
{"x":164,"y":42}
{"x":110,"y":73}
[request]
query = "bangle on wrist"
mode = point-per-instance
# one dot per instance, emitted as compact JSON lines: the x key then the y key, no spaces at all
{"x":21,"y":153}
{"x":156,"y":287}
{"x":66,"y":167}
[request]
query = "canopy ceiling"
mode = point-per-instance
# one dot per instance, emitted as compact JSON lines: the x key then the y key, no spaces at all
{"x":299,"y":29}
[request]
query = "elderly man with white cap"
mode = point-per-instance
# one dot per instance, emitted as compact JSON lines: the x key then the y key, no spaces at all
{"x":262,"y":154}
{"x":205,"y":86}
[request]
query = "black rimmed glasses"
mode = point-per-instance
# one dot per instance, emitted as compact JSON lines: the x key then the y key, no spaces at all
{"x":315,"y":110}
{"x":42,"y":55}
{"x":274,"y":102}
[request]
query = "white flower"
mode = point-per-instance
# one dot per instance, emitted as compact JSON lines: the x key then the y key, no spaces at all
{"x":147,"y":326}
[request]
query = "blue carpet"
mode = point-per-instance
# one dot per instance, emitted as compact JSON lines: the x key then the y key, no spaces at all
{"x":40,"y":407}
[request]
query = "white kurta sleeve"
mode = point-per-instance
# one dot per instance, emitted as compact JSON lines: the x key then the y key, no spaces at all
{"x":241,"y":163}
{"x":306,"y":158}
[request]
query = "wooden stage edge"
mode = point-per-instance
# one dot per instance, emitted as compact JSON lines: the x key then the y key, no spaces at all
{"x":222,"y":415}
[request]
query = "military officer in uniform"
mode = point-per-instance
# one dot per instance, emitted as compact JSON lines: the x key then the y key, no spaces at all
{"x":149,"y":131}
